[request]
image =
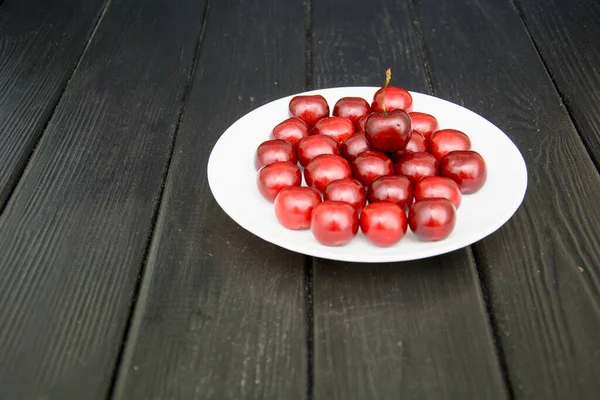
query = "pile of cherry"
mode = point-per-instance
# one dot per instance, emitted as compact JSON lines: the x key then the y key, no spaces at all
{"x":367,"y":165}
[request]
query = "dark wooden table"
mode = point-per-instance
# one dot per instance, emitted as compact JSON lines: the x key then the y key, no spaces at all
{"x":120,"y":277}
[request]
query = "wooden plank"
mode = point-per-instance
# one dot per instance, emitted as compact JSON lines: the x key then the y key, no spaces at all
{"x":542,"y":268}
{"x":40,"y":44}
{"x":222,"y":313}
{"x":567,"y":35}
{"x":75,"y":232}
{"x":403,"y":330}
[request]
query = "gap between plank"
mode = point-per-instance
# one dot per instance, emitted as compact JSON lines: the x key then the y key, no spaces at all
{"x":493,"y":324}
{"x":310,"y":338}
{"x":414,"y":13}
{"x":519,"y":10}
{"x":308,"y":47}
{"x":21,"y":170}
{"x":143,"y":275}
{"x":308,"y":263}
{"x":500,"y":355}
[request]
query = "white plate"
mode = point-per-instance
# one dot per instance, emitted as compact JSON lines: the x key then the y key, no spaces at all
{"x":232,"y":179}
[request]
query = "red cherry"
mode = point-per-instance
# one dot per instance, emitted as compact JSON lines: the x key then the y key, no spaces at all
{"x":431,"y":187}
{"x":313,"y":146}
{"x":447,"y":140}
{"x":294,"y":205}
{"x":362,"y":122}
{"x":355,"y":145}
{"x":348,"y":190}
{"x":391,"y":189}
{"x":353,"y":108}
{"x":417,"y":165}
{"x":396,"y":98}
{"x":388,"y":132}
{"x":339,"y":128}
{"x":273,"y":178}
{"x":416,"y":144}
{"x":272,"y":151}
{"x":324,"y":169}
{"x":370,"y":165}
{"x":423,"y":123}
{"x":384,"y":224}
{"x":432,"y":219}
{"x":388,"y":129}
{"x":334,"y":223}
{"x":292,"y":130}
{"x":309,"y":108}
{"x":467,"y":168}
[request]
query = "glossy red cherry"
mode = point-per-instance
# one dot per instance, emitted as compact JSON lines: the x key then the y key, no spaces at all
{"x":384,"y":224}
{"x":334,"y":223}
{"x":432,"y":219}
{"x":353,"y":108}
{"x":272,"y":151}
{"x":309,"y":108}
{"x":447,"y":140}
{"x":370,"y":165}
{"x":388,"y":129}
{"x":391,"y":189}
{"x":423,"y":123}
{"x":467,"y":168}
{"x":273,"y":178}
{"x":431,"y":187}
{"x":339,"y":128}
{"x":315,"y":145}
{"x":362,"y":122}
{"x":388,"y":132}
{"x":324,"y":169}
{"x":396,"y":98}
{"x":292,"y":130}
{"x":416,"y":144}
{"x":348,"y":190}
{"x":294,"y":206}
{"x":355,"y":145}
{"x":417,"y":165}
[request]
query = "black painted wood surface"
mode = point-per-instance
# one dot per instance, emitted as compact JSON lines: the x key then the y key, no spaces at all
{"x":75,"y":232}
{"x":40,"y":44}
{"x":541,"y":269}
{"x":398,"y":330}
{"x":567,"y":34}
{"x":221,"y":313}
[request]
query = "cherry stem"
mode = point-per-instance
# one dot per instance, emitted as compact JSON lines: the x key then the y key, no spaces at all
{"x":388,"y":78}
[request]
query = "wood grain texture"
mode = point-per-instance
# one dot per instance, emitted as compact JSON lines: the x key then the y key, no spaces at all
{"x":74,"y":234}
{"x":403,"y":330}
{"x":542,"y":268}
{"x":40,"y":44}
{"x":221,"y":313}
{"x":567,"y":34}
{"x":411,"y":330}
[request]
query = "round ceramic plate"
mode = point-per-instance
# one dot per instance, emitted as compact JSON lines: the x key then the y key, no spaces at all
{"x":232,"y":179}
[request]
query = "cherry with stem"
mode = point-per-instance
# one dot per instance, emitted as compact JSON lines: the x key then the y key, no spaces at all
{"x":388,"y":131}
